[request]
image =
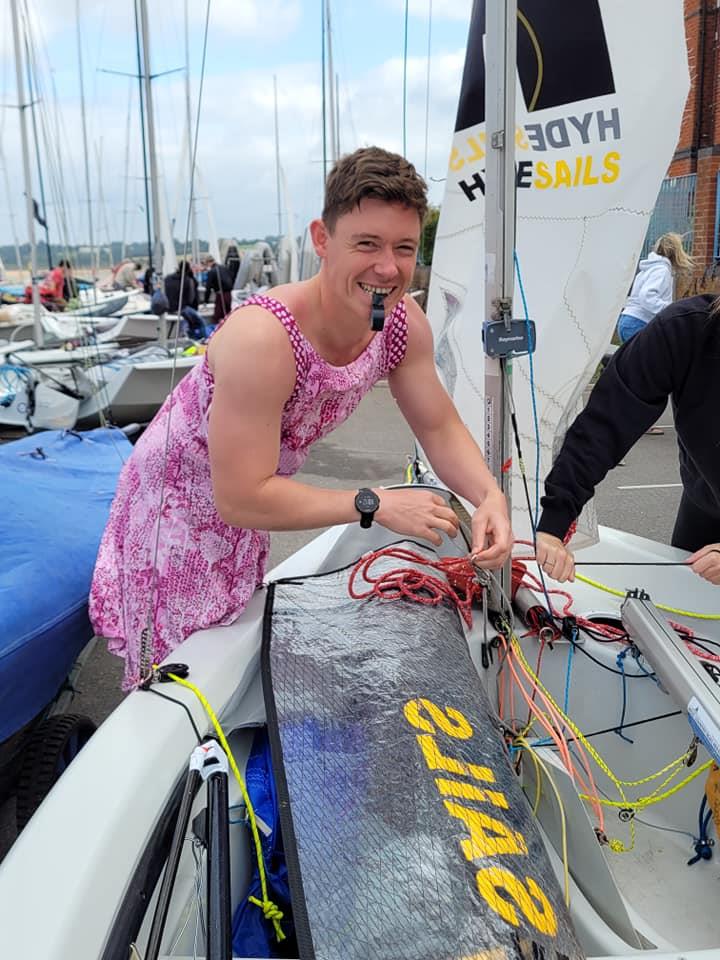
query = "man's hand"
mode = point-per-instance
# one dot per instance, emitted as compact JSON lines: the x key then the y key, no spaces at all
{"x":492,"y":537}
{"x":416,"y":513}
{"x":705,"y":562}
{"x":554,"y":558}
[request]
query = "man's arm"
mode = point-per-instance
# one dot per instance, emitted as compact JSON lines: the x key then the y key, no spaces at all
{"x":449,"y":445}
{"x":628,"y":398}
{"x":254,"y":371}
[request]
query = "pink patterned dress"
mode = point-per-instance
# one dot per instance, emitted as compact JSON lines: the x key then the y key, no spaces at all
{"x":205,"y":571}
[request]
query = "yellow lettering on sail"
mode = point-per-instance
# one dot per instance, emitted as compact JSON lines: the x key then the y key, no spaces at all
{"x":489,"y":837}
{"x":531,"y":901}
{"x":589,"y":180}
{"x":544,"y":178}
{"x":477,"y":151}
{"x":563,"y":177}
{"x":612,"y":167}
{"x":456,"y":161}
{"x":450,"y":721}
{"x":468,"y":791}
{"x":438,"y":761}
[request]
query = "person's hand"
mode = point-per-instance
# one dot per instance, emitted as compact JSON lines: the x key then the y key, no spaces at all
{"x":705,"y":562}
{"x":416,"y":513}
{"x":492,"y":536}
{"x":554,"y":557}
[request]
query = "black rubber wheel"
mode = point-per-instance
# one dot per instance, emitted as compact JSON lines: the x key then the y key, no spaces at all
{"x":53,"y":744}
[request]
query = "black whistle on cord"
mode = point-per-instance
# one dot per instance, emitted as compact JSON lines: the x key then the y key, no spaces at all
{"x":377,"y":313}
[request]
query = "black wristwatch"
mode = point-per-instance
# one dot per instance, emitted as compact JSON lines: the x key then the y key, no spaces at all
{"x":366,"y":503}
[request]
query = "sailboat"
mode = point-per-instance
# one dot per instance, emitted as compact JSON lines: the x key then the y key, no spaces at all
{"x":125,"y":858}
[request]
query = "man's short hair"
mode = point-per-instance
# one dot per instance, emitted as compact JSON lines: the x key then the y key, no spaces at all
{"x":375,"y":173}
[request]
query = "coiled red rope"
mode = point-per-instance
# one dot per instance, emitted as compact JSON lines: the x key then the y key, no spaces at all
{"x":459,"y":585}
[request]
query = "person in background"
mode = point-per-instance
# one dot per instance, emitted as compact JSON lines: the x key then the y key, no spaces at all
{"x":654,"y":284}
{"x":70,"y":287}
{"x":181,"y":288}
{"x":213,"y":472}
{"x":677,"y":356}
{"x":126,"y":276}
{"x":219,"y":282}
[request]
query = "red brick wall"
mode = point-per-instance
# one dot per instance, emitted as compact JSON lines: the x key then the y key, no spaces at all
{"x":698,"y":149}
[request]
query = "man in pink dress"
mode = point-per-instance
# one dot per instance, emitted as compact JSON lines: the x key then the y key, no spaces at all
{"x":188,"y":535}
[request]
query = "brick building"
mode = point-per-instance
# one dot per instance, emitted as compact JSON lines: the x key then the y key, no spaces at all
{"x":696,"y":164}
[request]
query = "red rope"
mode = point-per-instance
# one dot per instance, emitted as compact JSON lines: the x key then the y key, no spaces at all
{"x":459,"y":588}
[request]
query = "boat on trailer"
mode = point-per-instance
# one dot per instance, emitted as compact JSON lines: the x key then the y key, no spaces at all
{"x":604,"y":700}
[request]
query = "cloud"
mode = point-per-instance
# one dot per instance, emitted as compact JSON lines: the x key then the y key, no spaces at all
{"x":236,"y":145}
{"x":441,"y":9}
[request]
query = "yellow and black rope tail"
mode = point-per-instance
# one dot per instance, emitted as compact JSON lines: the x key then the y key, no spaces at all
{"x":625,"y":803}
{"x":270,"y":910}
{"x":660,"y":606}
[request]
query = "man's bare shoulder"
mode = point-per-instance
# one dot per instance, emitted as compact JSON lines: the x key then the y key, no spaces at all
{"x":252,"y":343}
{"x":420,"y":338}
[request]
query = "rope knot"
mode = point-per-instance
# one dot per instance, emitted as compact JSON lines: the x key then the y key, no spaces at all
{"x":703,"y":851}
{"x":617,"y":846}
{"x":270,"y":910}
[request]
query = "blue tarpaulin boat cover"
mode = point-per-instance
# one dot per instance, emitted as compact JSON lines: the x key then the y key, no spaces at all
{"x":55,"y":493}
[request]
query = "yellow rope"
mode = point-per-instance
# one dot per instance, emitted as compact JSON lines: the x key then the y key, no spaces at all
{"x":660,"y":606}
{"x":615,"y":845}
{"x":648,"y":801}
{"x":541,"y":765}
{"x":270,"y":910}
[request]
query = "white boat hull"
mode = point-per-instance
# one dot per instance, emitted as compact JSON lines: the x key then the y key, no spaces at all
{"x":76,"y":863}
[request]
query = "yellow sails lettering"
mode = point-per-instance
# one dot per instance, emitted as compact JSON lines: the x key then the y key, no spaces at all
{"x":531,"y":901}
{"x":450,"y":721}
{"x":489,"y":837}
{"x":468,"y":791}
{"x":583,"y":171}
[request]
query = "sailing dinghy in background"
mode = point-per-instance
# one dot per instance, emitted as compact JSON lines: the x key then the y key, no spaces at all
{"x":616,"y":817}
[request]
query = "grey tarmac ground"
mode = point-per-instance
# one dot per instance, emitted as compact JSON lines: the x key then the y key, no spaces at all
{"x":371,"y":448}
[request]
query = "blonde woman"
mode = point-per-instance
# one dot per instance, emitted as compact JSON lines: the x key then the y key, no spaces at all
{"x":652,"y":289}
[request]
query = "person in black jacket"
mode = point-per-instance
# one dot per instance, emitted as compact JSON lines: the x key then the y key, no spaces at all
{"x":220,"y":281}
{"x":676,"y":355}
{"x":185,"y":277}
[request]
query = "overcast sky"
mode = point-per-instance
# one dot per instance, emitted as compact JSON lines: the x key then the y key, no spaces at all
{"x":249,"y":41}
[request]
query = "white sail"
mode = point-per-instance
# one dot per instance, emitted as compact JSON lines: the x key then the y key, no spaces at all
{"x":591,"y":155}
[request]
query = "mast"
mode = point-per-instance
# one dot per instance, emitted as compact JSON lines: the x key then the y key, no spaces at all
{"x":85,"y":150}
{"x":277,"y":160}
{"x":500,"y":81}
{"x":123,"y":244}
{"x":188,"y":114}
{"x":331,"y":87}
{"x":36,"y":140}
{"x":147,"y":77}
{"x":37,"y":324}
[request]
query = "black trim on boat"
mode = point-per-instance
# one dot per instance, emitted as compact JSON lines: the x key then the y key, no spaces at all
{"x":299,"y":908}
{"x":138,"y":894}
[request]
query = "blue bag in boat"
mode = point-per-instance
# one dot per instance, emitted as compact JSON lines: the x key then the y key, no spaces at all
{"x":252,"y":934}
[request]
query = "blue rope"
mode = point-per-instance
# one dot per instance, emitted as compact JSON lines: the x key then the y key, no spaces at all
{"x":536,"y":423}
{"x":571,"y":651}
{"x":703,"y":844}
{"x":620,"y":661}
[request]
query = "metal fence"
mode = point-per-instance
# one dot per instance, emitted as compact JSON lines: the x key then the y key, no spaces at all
{"x":674,"y":212}
{"x":716,"y":240}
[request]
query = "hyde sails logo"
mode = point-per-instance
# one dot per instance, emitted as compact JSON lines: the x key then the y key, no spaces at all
{"x":563,"y":59}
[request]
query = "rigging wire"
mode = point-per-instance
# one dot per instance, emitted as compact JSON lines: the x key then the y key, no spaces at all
{"x":404,"y":93}
{"x":146,"y":643}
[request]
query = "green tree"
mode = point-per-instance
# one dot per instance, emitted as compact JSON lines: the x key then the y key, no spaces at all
{"x":427,"y":238}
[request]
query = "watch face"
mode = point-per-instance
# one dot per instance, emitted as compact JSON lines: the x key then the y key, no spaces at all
{"x":366,"y":501}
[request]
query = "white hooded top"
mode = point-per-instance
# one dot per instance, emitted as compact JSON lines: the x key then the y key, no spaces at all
{"x":652,"y":289}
